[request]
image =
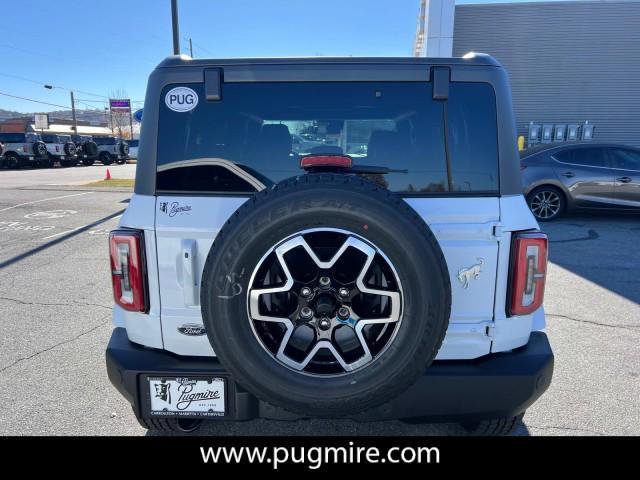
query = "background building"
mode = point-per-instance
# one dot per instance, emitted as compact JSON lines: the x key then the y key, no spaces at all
{"x":569,"y":62}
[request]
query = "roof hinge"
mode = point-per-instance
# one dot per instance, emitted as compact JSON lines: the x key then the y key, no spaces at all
{"x":490,"y":331}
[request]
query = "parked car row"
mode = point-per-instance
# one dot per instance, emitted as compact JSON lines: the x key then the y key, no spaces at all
{"x":581,"y":176}
{"x":31,"y":149}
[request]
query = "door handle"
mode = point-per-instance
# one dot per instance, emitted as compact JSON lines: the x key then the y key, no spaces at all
{"x":568,"y":174}
{"x":624,"y":179}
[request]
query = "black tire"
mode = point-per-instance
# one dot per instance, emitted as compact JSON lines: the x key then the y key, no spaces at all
{"x":124,"y":149}
{"x":12,"y":161}
{"x":329,"y":201}
{"x":39,"y":149}
{"x":73,"y":162}
{"x":88,"y":161}
{"x":90,"y":148}
{"x":105,"y":158}
{"x":69,"y":148}
{"x":494,"y":426}
{"x":170,"y":425}
{"x":556,"y":206}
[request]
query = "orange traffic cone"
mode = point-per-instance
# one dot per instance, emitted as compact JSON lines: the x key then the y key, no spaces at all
{"x":108,"y":175}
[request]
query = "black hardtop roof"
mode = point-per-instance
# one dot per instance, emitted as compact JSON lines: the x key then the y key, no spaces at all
{"x":471,"y":58}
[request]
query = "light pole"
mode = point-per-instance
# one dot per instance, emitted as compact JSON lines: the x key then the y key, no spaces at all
{"x":73,"y":108}
{"x":174,"y":24}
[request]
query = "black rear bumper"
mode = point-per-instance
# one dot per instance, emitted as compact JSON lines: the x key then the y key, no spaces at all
{"x":498,"y":385}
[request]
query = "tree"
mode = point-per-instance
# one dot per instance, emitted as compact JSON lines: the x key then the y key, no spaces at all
{"x":120,"y":121}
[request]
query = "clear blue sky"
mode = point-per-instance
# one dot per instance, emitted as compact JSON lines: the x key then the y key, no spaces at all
{"x":101,"y":47}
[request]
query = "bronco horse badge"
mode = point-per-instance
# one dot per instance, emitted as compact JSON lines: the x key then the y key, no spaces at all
{"x":466,"y":274}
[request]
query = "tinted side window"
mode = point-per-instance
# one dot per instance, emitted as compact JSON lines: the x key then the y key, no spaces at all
{"x":625,"y":159}
{"x":590,"y":157}
{"x":12,"y":137}
{"x":473,"y":137}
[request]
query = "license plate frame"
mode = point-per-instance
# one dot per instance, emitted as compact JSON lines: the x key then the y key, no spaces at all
{"x":190,"y":396}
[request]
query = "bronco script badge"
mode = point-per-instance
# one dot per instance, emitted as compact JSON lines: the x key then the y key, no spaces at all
{"x":466,"y":274}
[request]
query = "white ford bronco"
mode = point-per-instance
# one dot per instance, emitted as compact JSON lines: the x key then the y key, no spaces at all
{"x":111,"y":149}
{"x":387,"y":267}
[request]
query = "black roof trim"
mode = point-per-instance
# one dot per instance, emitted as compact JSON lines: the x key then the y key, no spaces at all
{"x":471,"y":58}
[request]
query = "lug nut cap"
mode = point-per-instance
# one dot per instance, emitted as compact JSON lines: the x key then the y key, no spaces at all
{"x":324,"y":282}
{"x":305,"y":292}
{"x":343,"y":313}
{"x":324,"y":324}
{"x":306,"y":313}
{"x":344,"y":292}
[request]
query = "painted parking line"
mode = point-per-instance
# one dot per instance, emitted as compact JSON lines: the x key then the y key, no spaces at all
{"x":44,"y":200}
{"x":62,"y":233}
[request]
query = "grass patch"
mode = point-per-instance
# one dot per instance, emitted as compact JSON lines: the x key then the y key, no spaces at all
{"x":114,"y":182}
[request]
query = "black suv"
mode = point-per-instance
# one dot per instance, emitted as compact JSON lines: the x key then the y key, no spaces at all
{"x":86,"y":149}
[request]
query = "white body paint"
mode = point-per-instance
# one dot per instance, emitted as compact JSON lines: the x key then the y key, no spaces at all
{"x":178,"y":240}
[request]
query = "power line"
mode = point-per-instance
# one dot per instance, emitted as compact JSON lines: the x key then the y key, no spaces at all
{"x":54,"y":86}
{"x":66,"y":107}
{"x":197,"y":45}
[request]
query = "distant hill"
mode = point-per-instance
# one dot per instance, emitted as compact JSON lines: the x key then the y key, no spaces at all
{"x":97,"y":117}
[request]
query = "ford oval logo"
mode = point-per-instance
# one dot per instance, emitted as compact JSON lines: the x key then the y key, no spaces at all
{"x":192,"y":329}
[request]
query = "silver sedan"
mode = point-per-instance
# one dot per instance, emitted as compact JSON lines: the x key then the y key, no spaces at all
{"x":558,"y":178}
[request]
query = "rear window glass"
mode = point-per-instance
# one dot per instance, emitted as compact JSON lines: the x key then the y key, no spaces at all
{"x":257,"y":134}
{"x":104,"y":140}
{"x":50,"y":138}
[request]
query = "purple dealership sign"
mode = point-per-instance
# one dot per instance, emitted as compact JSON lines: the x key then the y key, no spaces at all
{"x":120,"y":104}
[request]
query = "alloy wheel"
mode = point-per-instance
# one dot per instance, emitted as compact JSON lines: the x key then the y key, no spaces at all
{"x":545,"y":204}
{"x":325,"y":302}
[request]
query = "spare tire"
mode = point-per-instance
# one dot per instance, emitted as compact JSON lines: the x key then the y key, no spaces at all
{"x":326,"y":295}
{"x":70,"y":148}
{"x":90,"y":148}
{"x":40,"y":149}
{"x":124,"y":148}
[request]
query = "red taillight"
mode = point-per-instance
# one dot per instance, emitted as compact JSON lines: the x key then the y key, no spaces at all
{"x":128,"y":269}
{"x":528,"y":272}
{"x":340,"y":161}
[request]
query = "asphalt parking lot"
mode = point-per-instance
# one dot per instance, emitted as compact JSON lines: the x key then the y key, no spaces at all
{"x":55,"y":320}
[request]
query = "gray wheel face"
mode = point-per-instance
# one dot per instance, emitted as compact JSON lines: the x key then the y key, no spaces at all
{"x":325,"y":302}
{"x":545,"y":204}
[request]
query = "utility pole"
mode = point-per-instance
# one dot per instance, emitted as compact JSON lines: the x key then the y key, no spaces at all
{"x":174,"y":23}
{"x":190,"y":49}
{"x":73,"y":114}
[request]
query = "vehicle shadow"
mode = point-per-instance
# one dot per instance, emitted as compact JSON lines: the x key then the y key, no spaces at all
{"x":313,"y":428}
{"x":602,"y":248}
